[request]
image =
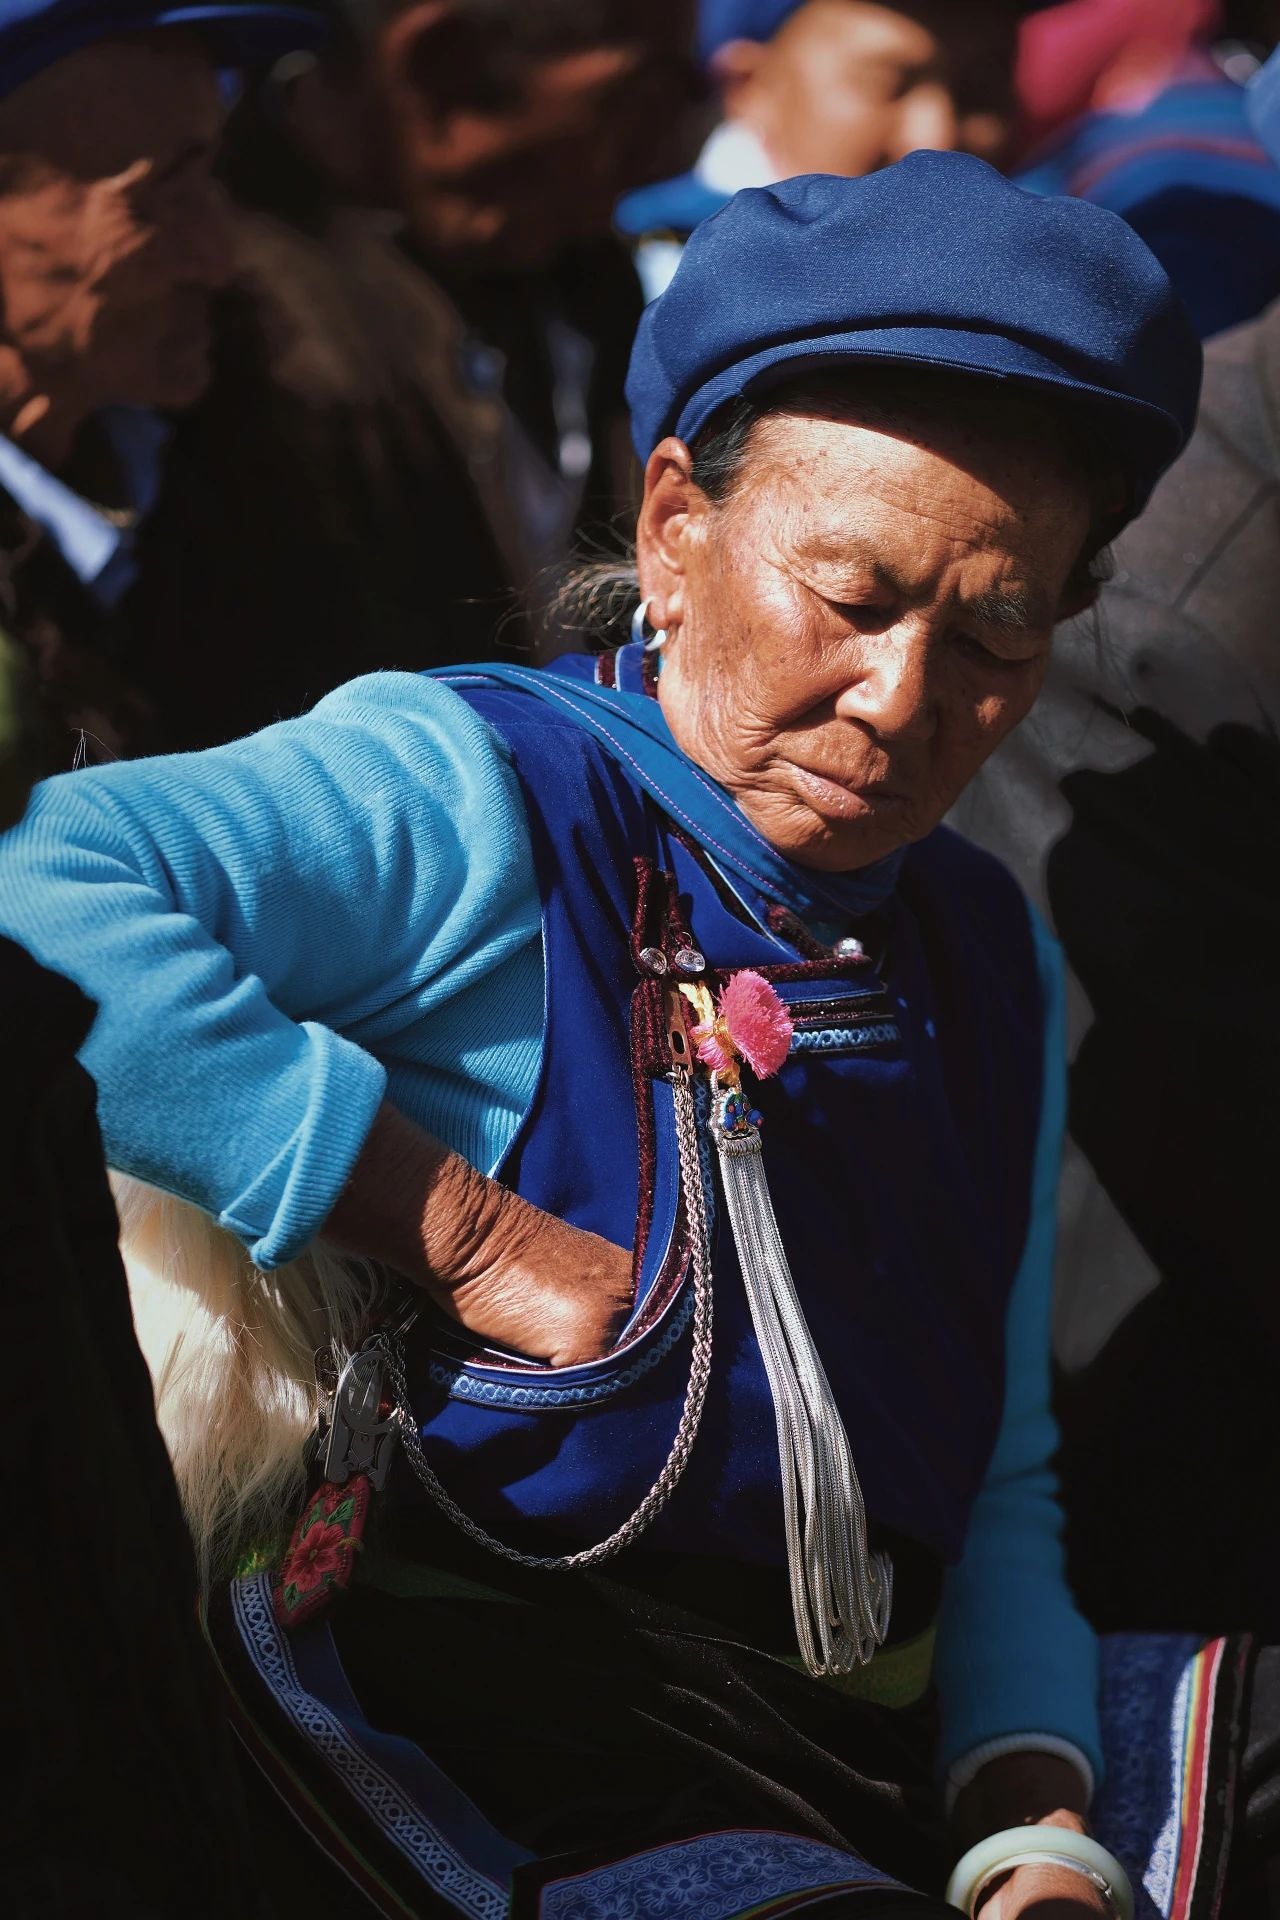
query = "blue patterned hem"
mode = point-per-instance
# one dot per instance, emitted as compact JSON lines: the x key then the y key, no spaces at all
{"x":845,"y":1039}
{"x":715,"y":1876}
{"x":462,"y":1385}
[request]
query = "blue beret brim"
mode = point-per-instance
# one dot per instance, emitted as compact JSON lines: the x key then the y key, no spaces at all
{"x":34,"y":34}
{"x":1158,"y":438}
{"x":935,"y":262}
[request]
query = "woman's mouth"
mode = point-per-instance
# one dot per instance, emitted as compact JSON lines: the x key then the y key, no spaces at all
{"x":841,"y":799}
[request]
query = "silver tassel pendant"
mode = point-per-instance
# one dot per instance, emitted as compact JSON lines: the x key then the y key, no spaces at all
{"x":841,"y":1592}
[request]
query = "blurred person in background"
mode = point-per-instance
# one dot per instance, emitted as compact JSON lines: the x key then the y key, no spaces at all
{"x":831,"y":86}
{"x":1107,"y":56}
{"x":1141,"y":807}
{"x":1126,"y":105}
{"x":113,"y":242}
{"x":419,"y":387}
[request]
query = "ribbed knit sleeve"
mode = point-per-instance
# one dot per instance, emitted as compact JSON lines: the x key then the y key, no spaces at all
{"x":1016,"y":1664}
{"x":272,"y":927}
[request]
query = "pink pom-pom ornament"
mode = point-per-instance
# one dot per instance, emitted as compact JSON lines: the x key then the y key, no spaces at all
{"x":751,"y":1023}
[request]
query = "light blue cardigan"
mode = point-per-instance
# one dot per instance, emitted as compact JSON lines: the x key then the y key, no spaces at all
{"x":281,"y":932}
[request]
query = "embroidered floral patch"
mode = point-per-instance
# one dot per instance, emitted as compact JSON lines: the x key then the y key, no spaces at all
{"x":322,"y":1550}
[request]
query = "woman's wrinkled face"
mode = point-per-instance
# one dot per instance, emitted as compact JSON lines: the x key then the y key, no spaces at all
{"x":860,"y":622}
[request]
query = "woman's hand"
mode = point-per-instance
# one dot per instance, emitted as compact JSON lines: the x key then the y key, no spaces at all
{"x":512,"y":1274}
{"x":1048,"y":1892}
{"x":530,"y":1282}
{"x":1029,"y":1789}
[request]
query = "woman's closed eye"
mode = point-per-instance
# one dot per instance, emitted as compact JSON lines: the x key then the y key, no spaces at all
{"x":866,"y":616}
{"x":1003,"y":649}
{"x":1004,"y":644}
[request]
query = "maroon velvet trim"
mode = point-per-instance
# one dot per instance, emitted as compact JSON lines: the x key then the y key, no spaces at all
{"x":841,"y":1013}
{"x":650,"y":1047}
{"x":779,"y":919}
{"x":646,"y":921}
{"x":658,"y":921}
{"x":788,"y":926}
{"x":649,"y":1058}
{"x":824,"y":969}
{"x":669,"y":1281}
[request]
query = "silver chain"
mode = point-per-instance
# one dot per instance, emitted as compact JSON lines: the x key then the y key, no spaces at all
{"x":698,"y":1214}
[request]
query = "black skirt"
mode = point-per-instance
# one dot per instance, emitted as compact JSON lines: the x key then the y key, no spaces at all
{"x":609,"y":1746}
{"x":459,"y":1736}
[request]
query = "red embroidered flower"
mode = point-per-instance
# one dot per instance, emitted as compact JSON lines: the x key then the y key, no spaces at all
{"x":321,"y":1550}
{"x":329,"y":1498}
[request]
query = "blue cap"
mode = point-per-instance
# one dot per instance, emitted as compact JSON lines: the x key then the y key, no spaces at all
{"x":720,"y":21}
{"x":937,"y":261}
{"x":36,"y":33}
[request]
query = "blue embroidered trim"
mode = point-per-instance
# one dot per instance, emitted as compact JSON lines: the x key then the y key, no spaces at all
{"x":499,"y":1393}
{"x":715,"y":1876}
{"x":381,"y":1797}
{"x":845,"y":1039}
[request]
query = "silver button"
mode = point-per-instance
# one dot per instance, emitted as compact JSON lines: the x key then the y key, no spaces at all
{"x":689,"y":960}
{"x":849,"y":948}
{"x":653,"y":958}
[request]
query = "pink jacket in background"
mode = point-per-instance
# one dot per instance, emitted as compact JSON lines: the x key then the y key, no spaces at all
{"x":1089,"y":55}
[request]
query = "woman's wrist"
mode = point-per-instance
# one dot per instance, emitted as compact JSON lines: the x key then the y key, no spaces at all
{"x":1020,"y":1789}
{"x":415,"y":1205}
{"x":1049,"y":1868}
{"x":1029,"y":1801}
{"x":510,"y":1273}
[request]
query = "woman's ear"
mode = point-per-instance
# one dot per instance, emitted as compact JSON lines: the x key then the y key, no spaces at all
{"x":673,"y":508}
{"x":1086,"y":583}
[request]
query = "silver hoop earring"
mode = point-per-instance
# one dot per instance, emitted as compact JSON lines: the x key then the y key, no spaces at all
{"x":656,"y":640}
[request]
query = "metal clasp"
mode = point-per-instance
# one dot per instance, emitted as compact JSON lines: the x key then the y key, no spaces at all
{"x":679,"y":1045}
{"x":364,"y":1419}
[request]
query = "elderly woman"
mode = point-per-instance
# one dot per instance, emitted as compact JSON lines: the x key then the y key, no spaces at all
{"x":705,"y":1095}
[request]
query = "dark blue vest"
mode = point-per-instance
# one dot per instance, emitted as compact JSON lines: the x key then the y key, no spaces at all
{"x":898,"y":1140}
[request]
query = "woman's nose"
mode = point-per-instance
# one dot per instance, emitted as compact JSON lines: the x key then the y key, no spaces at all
{"x":891,"y":695}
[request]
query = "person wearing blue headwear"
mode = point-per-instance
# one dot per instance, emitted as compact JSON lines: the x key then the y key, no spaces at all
{"x":830,"y":86}
{"x":113,"y":242}
{"x":697,"y":1098}
{"x":1187,"y":170}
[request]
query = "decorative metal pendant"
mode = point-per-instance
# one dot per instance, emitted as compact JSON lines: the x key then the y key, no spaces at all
{"x":841,"y":1592}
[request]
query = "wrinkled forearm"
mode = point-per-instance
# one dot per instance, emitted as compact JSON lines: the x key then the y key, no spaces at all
{"x":413,"y":1204}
